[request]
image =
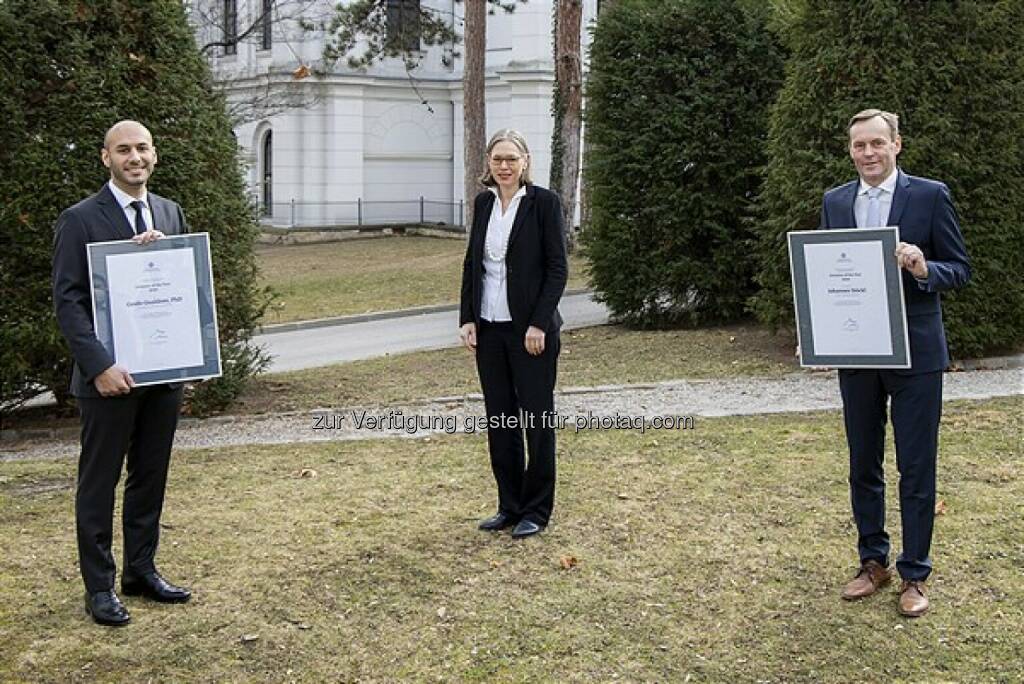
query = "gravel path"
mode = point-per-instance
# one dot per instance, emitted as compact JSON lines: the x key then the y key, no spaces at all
{"x":666,"y":405}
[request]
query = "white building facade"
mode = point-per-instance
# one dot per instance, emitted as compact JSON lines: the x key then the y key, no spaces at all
{"x":350,"y":146}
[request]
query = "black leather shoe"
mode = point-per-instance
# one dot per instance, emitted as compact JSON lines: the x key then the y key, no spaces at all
{"x":498,"y":521}
{"x":525,"y":528}
{"x":106,"y":609}
{"x":153,"y":586}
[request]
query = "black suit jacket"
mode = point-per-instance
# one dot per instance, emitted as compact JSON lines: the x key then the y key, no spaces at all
{"x":536,"y":263}
{"x":98,"y":218}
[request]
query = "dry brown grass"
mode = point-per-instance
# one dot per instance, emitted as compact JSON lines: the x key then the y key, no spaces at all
{"x":363,"y":275}
{"x":715,"y":554}
{"x":591,"y":356}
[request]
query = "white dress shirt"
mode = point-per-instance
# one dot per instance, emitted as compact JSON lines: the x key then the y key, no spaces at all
{"x":860,"y":204}
{"x":125,"y":200}
{"x":494,"y":302}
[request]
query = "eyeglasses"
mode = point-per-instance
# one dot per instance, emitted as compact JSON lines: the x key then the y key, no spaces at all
{"x":498,"y":162}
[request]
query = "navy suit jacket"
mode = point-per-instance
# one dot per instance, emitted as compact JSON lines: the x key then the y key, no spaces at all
{"x":98,"y":218}
{"x":924,"y":212}
{"x":536,"y":261}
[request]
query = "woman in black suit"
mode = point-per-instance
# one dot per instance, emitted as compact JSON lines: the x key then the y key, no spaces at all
{"x":512,"y":278}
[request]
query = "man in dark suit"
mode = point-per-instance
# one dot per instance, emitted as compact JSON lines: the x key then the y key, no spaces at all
{"x":117,"y":418}
{"x":934,"y":259}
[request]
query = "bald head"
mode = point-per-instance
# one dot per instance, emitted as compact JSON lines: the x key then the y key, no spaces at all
{"x":129,"y":153}
{"x":128,"y":127}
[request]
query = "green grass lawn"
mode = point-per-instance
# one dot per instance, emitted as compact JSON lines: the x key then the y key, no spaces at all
{"x":600,"y":355}
{"x":363,"y":275}
{"x":715,"y":554}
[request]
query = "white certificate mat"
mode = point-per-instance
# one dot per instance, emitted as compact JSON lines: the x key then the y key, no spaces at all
{"x":848,"y":297}
{"x":154,"y":309}
{"x":849,"y":310}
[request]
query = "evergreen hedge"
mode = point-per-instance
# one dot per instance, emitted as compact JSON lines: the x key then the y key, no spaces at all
{"x":677,"y":103}
{"x":953,"y":72}
{"x":68,"y":70}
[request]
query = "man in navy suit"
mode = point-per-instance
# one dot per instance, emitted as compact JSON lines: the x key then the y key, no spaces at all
{"x":117,"y":417}
{"x":934,"y":259}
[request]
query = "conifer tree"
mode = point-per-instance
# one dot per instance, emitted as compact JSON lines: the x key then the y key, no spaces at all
{"x":68,"y":70}
{"x":954,"y":72}
{"x":677,"y":106}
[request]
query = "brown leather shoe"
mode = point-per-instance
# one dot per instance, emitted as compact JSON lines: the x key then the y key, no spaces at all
{"x":913,"y":602}
{"x":871,"y":576}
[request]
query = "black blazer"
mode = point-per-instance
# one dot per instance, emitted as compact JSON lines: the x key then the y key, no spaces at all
{"x":98,"y":218}
{"x":536,"y":263}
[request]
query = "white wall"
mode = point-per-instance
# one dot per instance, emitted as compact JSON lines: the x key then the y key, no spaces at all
{"x":368,"y":136}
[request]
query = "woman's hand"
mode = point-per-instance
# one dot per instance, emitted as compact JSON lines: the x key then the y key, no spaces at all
{"x":534,"y":341}
{"x":467,"y":334}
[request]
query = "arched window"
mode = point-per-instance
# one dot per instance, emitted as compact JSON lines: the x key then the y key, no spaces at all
{"x":267,"y":170}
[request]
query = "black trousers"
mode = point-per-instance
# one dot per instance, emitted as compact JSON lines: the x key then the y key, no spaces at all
{"x":916,"y":405}
{"x":140,"y":424}
{"x":518,"y":393}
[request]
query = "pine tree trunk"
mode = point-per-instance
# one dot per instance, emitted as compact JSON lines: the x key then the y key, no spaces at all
{"x":569,"y":79}
{"x":602,"y":6}
{"x":474,"y":122}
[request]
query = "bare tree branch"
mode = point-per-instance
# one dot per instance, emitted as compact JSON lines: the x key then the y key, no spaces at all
{"x":278,"y":11}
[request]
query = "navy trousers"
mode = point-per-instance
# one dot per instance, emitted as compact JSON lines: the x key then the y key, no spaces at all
{"x":916,"y":406}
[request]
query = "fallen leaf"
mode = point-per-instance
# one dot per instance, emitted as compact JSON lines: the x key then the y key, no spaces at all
{"x":495,"y":564}
{"x":622,"y":495}
{"x":307,"y":473}
{"x":441,"y":612}
{"x":301,"y":72}
{"x":940,"y":507}
{"x":249,"y":638}
{"x":568,"y":562}
{"x":732,"y":338}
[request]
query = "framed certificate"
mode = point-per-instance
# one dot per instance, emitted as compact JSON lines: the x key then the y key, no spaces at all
{"x":848,"y":294}
{"x":154,"y":309}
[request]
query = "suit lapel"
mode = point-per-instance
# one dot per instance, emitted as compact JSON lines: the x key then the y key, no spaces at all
{"x":113,"y":213}
{"x":848,"y":198}
{"x":162,"y":219}
{"x":525,"y":205}
{"x":899,"y":199}
{"x":481,"y":222}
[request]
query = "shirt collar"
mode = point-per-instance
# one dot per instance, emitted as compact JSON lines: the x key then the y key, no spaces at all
{"x":124,"y":199}
{"x":519,"y":193}
{"x":889,"y":184}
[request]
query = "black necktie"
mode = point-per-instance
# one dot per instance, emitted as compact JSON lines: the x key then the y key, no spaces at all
{"x":140,"y":219}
